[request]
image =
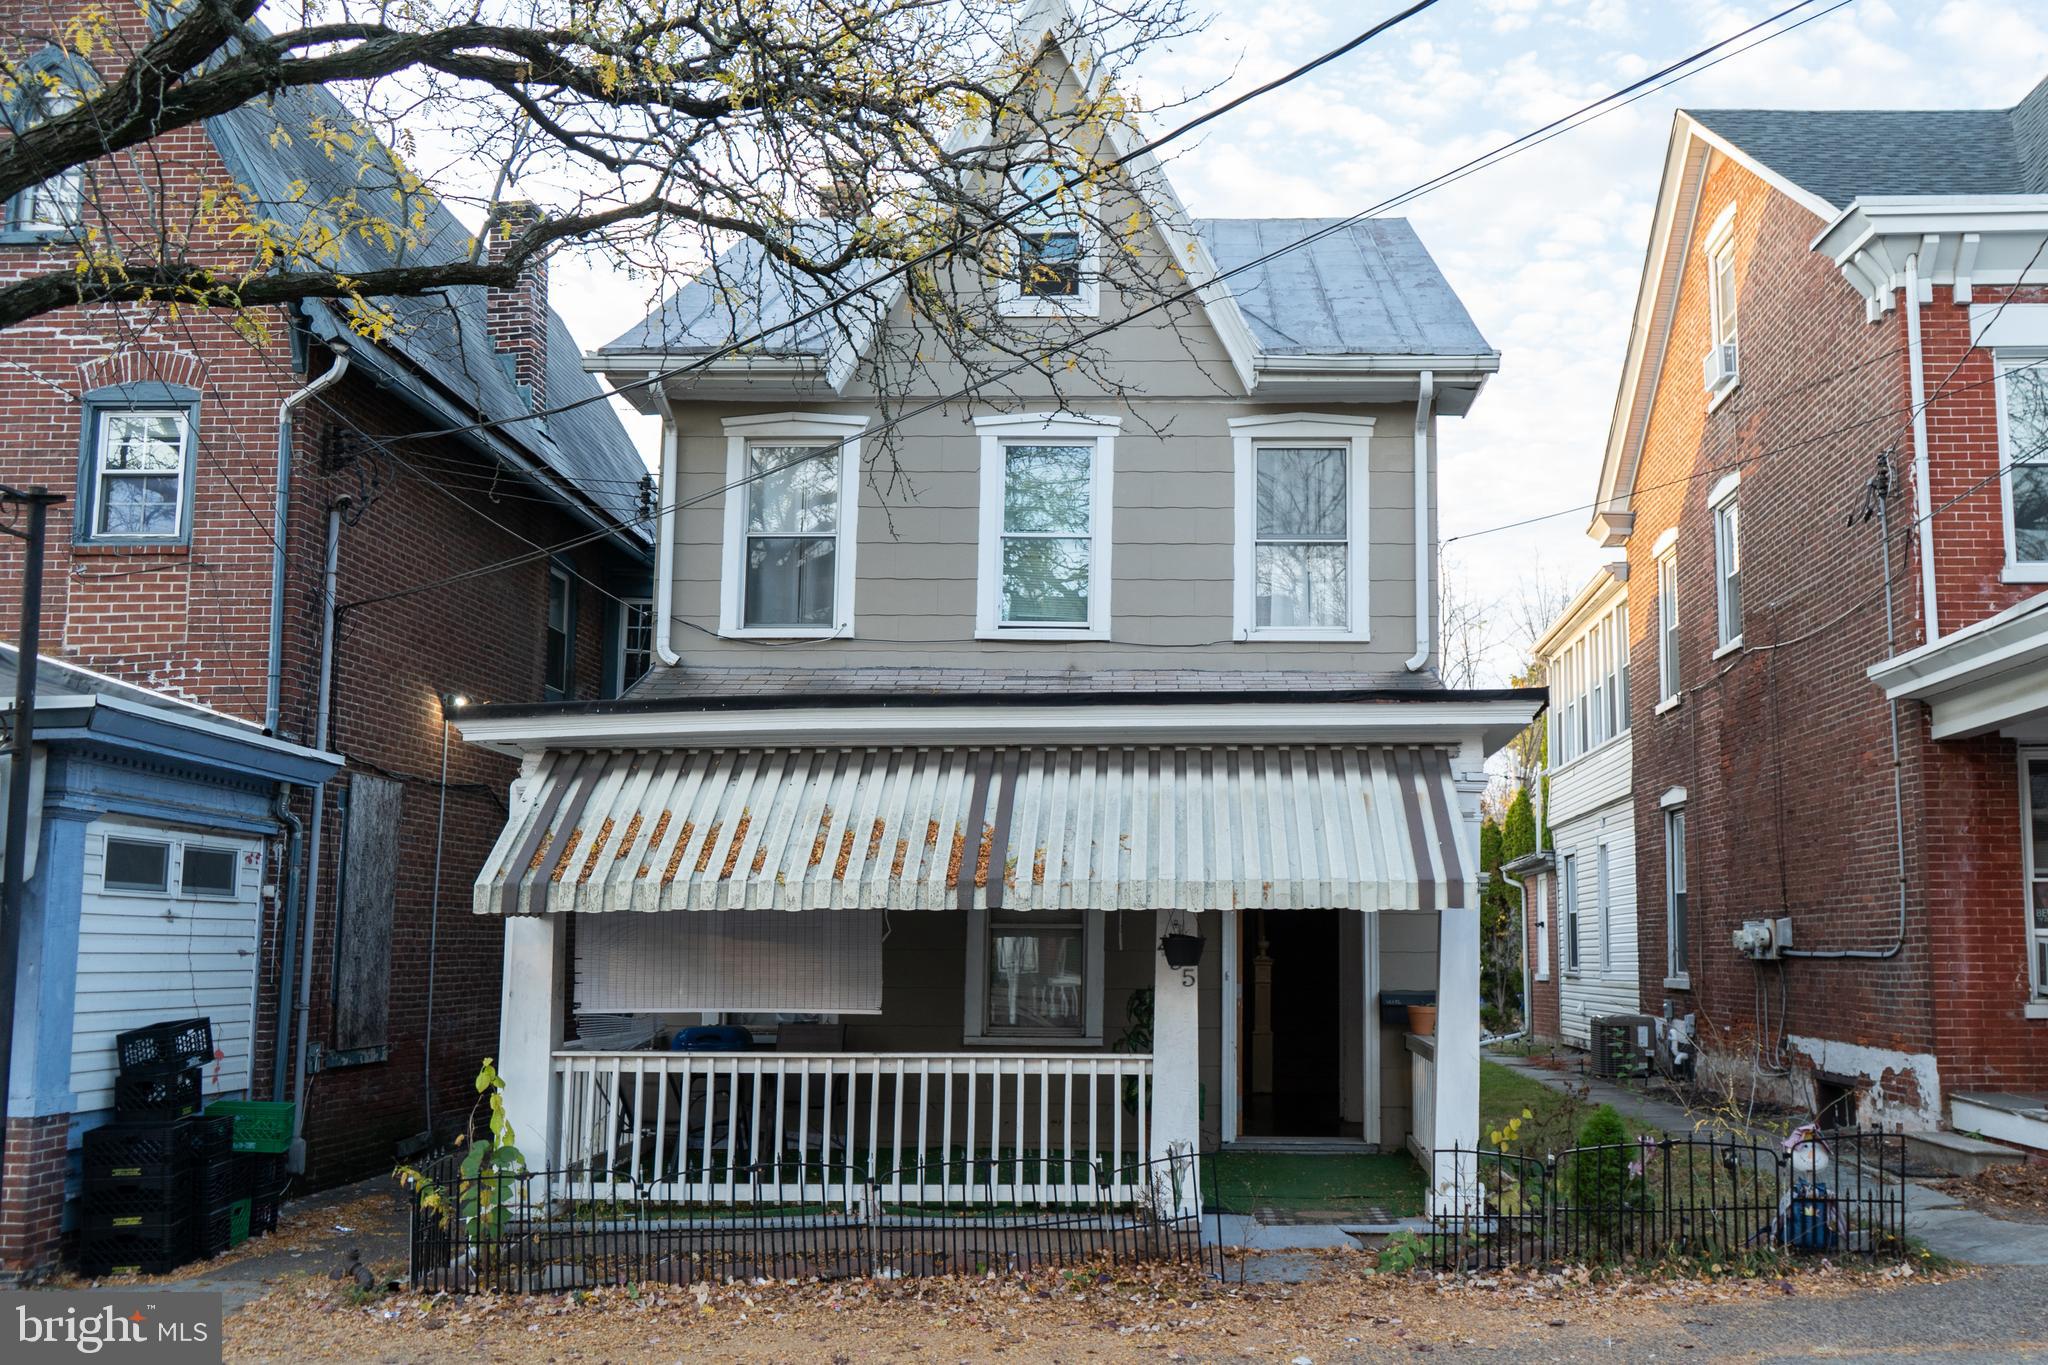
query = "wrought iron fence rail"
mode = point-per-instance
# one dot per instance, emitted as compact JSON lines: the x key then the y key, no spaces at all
{"x":1839,"y":1193}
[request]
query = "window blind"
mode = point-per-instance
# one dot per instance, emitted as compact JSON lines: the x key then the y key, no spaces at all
{"x":811,"y":961}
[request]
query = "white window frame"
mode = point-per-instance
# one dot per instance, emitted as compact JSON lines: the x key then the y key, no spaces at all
{"x":1568,"y":899}
{"x":1603,"y":888}
{"x":975,"y":1031}
{"x":1045,"y":428}
{"x":1677,"y":937}
{"x":2036,"y":939}
{"x":627,"y":606}
{"x":2005,"y":359}
{"x":1721,"y":370}
{"x":1086,"y":302}
{"x":1666,"y":552}
{"x":557,"y":574}
{"x":1248,"y":435}
{"x":105,"y":418}
{"x":789,"y":428}
{"x":1542,"y":890}
{"x":1726,"y":510}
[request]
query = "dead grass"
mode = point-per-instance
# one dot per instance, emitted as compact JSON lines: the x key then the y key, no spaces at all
{"x":1158,"y":1313}
{"x":2018,"y":1192}
{"x":307,"y":1230}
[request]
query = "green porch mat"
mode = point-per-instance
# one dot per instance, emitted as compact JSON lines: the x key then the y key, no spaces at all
{"x":1314,"y":1187}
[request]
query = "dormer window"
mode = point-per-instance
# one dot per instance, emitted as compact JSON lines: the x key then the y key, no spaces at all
{"x":1053,"y":271}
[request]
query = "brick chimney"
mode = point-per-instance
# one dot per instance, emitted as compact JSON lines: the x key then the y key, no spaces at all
{"x":519,"y":315}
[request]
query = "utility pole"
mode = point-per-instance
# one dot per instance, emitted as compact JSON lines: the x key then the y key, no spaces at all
{"x":35,"y":504}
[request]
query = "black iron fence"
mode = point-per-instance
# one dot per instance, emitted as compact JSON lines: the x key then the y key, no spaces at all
{"x":1709,"y":1197}
{"x":542,"y":1231}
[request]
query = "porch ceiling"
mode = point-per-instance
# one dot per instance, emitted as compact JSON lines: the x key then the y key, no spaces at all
{"x":1363,"y":827}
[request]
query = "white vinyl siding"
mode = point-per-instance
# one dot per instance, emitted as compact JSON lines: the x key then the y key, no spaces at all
{"x":147,"y":957}
{"x":1596,"y":840}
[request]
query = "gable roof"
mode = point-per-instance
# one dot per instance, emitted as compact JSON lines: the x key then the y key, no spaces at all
{"x":1840,"y":155}
{"x":1368,"y":289}
{"x":441,"y":344}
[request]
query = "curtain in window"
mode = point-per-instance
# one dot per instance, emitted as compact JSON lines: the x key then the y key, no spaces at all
{"x":792,"y":535}
{"x":1303,"y":551}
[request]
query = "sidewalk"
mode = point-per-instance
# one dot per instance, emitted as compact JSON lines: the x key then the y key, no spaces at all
{"x":312,"y":1242}
{"x":1940,"y":1220}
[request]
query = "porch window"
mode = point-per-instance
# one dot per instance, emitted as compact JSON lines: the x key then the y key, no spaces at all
{"x":1045,"y":528}
{"x":790,"y":525}
{"x":2023,"y":436}
{"x":1035,"y":974}
{"x":1570,"y":880}
{"x":1677,"y":959}
{"x":2034,"y":799}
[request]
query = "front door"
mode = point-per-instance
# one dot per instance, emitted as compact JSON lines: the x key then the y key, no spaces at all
{"x":1290,"y":1029}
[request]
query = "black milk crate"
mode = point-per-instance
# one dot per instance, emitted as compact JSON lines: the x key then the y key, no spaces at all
{"x":217,"y":1182}
{"x":167,"y":1046}
{"x":153,"y":1151}
{"x":114,"y":1205}
{"x":165,"y":1095}
{"x":133,"y":1213}
{"x":263,"y":1174}
{"x":213,"y":1231}
{"x":263,"y":1214}
{"x":128,"y":1254}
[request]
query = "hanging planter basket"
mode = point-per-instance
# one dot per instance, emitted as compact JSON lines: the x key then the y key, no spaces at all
{"x":1182,"y":950}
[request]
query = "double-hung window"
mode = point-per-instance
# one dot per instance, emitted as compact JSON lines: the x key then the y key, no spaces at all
{"x":792,"y":501}
{"x":1667,"y":625}
{"x":1034,"y":974}
{"x":1721,"y":369}
{"x":1569,"y":880}
{"x":48,"y":86}
{"x":1046,"y":497}
{"x":1596,"y":646}
{"x":1677,"y":957}
{"x":636,"y":640}
{"x":1619,"y":690}
{"x":2023,"y":456}
{"x":1604,"y":889}
{"x":1725,"y":507}
{"x":1301,"y":516}
{"x":1053,"y":271}
{"x":559,"y":667}
{"x":136,"y":465}
{"x":2034,"y":841}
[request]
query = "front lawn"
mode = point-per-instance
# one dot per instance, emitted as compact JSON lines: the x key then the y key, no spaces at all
{"x":1554,"y":1116}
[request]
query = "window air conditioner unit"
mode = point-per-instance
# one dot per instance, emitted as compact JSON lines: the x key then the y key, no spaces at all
{"x":1717,"y":367}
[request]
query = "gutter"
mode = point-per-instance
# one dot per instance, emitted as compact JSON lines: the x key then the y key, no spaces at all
{"x":665,"y":537}
{"x":1923,"y":510}
{"x":1425,"y":400}
{"x":273,"y":675}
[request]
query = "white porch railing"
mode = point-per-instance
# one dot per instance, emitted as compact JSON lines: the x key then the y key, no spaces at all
{"x":910,"y":1128}
{"x":1422,"y":1098}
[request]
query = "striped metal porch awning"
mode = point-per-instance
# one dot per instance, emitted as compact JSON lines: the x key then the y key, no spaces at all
{"x":1359,"y":827}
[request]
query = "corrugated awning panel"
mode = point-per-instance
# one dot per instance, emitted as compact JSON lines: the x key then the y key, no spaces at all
{"x":1361,"y":827}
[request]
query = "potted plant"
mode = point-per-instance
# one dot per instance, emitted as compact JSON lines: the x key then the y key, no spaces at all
{"x":1422,"y":1020}
{"x":1182,"y":950}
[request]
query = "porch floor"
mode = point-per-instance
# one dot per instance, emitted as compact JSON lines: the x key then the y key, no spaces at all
{"x":1295,"y":1187}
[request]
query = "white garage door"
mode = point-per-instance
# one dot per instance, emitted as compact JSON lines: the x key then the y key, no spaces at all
{"x":168,"y":930}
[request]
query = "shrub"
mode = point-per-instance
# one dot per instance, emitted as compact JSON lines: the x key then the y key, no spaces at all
{"x":1600,"y":1178}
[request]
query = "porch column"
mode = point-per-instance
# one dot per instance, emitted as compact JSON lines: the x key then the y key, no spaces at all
{"x":1457,"y":1012}
{"x":530,"y":1024}
{"x":1176,"y":1074}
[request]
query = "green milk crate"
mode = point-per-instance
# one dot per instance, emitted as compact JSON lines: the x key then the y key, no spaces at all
{"x":260,"y":1125}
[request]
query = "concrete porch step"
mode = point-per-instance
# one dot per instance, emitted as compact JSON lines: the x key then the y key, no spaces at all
{"x":1958,"y":1153}
{"x":2003,"y":1116}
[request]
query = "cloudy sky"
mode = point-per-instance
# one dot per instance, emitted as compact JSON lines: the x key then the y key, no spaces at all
{"x":1545,"y":248}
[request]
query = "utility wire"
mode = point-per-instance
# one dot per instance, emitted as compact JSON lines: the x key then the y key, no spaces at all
{"x":1578,"y":118}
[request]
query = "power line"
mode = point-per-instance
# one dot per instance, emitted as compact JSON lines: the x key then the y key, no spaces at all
{"x":1578,"y":118}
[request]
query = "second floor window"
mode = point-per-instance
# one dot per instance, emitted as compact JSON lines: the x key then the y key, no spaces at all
{"x":560,"y":663}
{"x":2023,"y":455}
{"x":1045,"y":510}
{"x":1667,"y":625}
{"x":135,"y":470}
{"x":1589,"y":687}
{"x":1301,"y":517}
{"x":791,"y":507}
{"x":636,"y":640}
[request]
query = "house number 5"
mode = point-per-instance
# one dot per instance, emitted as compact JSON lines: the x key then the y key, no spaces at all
{"x":1187,"y":976}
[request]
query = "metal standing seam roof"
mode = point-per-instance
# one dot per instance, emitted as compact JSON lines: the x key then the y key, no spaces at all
{"x":444,"y":337}
{"x":1369,"y":288}
{"x":1361,"y":827}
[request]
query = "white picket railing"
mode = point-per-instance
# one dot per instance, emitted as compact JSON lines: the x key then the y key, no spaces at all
{"x":1422,"y":1098}
{"x":947,"y":1129}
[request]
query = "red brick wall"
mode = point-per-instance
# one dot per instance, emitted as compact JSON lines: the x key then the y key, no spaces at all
{"x":1784,"y":747}
{"x":32,"y":1197}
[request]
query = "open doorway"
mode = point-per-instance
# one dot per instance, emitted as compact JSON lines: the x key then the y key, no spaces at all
{"x":1290,"y":1055}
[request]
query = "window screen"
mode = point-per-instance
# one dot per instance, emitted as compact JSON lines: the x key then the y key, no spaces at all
{"x":208,"y":872}
{"x":137,"y":865}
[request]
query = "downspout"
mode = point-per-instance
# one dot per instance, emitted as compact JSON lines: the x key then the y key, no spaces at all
{"x":296,"y":1161}
{"x":273,"y":678}
{"x":665,"y":536}
{"x":1923,"y":507}
{"x":1425,"y":400}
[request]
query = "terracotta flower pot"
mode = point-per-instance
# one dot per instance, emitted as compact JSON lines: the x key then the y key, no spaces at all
{"x":1422,"y":1020}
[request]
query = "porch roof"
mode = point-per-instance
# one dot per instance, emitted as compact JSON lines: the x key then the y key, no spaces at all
{"x":1125,"y":827}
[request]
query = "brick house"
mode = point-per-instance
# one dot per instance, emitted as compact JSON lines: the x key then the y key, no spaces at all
{"x":1835,"y":342}
{"x":227,"y":485}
